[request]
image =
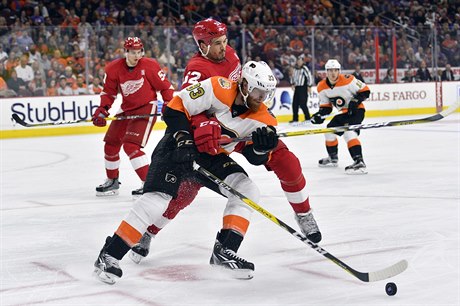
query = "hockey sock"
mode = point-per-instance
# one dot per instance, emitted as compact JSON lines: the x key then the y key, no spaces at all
{"x":230,"y":239}
{"x":112,"y":160}
{"x":117,"y":247}
{"x":138,"y":159}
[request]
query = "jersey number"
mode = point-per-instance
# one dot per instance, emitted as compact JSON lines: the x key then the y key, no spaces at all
{"x":192,"y":77}
{"x":195,"y":91}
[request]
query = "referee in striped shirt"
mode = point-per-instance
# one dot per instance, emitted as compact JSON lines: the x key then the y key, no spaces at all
{"x":301,"y":81}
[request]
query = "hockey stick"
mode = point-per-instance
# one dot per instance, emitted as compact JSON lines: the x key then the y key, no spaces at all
{"x":18,"y":120}
{"x":451,"y":109}
{"x":388,"y":272}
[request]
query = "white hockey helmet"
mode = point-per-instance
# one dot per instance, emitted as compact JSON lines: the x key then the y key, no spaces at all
{"x":259,"y":75}
{"x":332,"y":64}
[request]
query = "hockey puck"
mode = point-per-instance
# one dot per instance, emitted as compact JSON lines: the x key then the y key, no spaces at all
{"x":391,"y":289}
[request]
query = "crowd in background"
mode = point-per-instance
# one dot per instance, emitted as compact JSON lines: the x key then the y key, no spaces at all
{"x":50,"y":48}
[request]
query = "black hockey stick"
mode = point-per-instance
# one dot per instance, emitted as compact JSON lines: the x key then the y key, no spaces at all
{"x":18,"y":120}
{"x":388,"y":272}
{"x":451,"y":109}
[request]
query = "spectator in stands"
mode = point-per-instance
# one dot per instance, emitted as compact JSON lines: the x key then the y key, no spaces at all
{"x":80,"y":86}
{"x":408,"y":76}
{"x":24,"y":71}
{"x":51,"y":90}
{"x":18,"y":85}
{"x":3,"y":55}
{"x":423,"y":74}
{"x":4,"y":91}
{"x":276,"y":72}
{"x":447,"y":74}
{"x":38,"y":85}
{"x":95,"y":87}
{"x":64,"y":89}
{"x":388,"y":77}
{"x":357,"y":73}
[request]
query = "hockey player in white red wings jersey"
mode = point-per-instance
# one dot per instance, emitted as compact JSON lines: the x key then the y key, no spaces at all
{"x":137,"y":79}
{"x":216,"y":58}
{"x":346,"y":93}
{"x":196,"y":118}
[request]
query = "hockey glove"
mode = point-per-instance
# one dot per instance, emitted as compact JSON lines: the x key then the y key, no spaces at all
{"x":207,"y":134}
{"x":99,"y":116}
{"x":185,"y":151}
{"x":265,"y":139}
{"x":352,"y":107}
{"x":317,"y":118}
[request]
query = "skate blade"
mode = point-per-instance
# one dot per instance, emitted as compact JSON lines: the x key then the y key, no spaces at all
{"x":136,"y":258}
{"x":356,"y":172}
{"x":107,"y":193}
{"x":105,"y":277}
{"x":328,"y":165}
{"x":244,"y":274}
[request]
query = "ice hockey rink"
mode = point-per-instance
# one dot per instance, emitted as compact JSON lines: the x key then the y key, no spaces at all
{"x":407,"y":207}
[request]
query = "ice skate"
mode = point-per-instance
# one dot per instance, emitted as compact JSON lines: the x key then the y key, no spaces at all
{"x":228,"y":260}
{"x":358,"y":167}
{"x":308,"y":226}
{"x":106,"y":267}
{"x":136,"y":193}
{"x":141,"y":249}
{"x":109,"y":188}
{"x":330,"y":161}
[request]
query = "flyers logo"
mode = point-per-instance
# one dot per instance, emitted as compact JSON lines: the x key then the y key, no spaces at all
{"x":224,"y":83}
{"x":170,"y":178}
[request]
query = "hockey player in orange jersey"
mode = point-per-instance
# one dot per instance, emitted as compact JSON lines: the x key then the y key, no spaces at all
{"x":196,"y":119}
{"x":346,"y":93}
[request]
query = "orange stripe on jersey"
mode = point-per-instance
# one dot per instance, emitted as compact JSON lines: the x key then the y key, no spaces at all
{"x":236,"y":223}
{"x":353,"y":142}
{"x":176,"y":104}
{"x":344,"y":80}
{"x":128,"y":233}
{"x":332,"y":143}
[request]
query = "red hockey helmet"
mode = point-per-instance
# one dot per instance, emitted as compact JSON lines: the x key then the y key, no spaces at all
{"x":206,"y":30}
{"x":133,"y":43}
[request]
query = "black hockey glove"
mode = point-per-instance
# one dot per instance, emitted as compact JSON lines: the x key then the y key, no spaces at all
{"x":185,"y":151}
{"x":317,"y":118}
{"x":265,"y":139}
{"x":352,"y":107}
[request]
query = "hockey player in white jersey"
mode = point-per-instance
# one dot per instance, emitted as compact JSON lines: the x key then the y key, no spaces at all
{"x":346,"y":93}
{"x":197,"y":117}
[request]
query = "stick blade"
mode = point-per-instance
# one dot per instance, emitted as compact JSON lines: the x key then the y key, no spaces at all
{"x":18,"y":120}
{"x":388,"y":272}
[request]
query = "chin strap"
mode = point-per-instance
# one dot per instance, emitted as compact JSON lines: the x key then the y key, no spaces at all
{"x":245,"y":97}
{"x":207,"y":51}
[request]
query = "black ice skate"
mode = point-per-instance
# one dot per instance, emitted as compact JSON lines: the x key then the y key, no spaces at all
{"x":141,"y":249}
{"x":109,"y":188}
{"x":308,"y":226}
{"x":136,"y":193}
{"x":358,"y":167}
{"x":330,"y":161}
{"x":228,"y":260}
{"x":106,"y":267}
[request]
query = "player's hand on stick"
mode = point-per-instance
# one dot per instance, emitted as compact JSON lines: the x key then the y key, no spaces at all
{"x":317,"y":118}
{"x":265,"y":139}
{"x":185,"y":151}
{"x":352,"y":107}
{"x":99,"y":116}
{"x":206,"y":133}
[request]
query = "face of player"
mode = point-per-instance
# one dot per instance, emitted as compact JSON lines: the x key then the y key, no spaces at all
{"x":256,"y":97}
{"x":133,"y":57}
{"x":216,"y":48}
{"x":333,"y":75}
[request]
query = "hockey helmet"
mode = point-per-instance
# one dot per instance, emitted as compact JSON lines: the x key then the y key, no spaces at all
{"x":259,"y":76}
{"x":133,"y":43}
{"x":332,"y":64}
{"x":207,"y":29}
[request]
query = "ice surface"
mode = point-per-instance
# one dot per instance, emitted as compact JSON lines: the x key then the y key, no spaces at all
{"x":407,"y":207}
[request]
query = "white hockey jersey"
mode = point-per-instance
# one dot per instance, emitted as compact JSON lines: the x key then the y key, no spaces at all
{"x":341,"y":93}
{"x":215,"y":96}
